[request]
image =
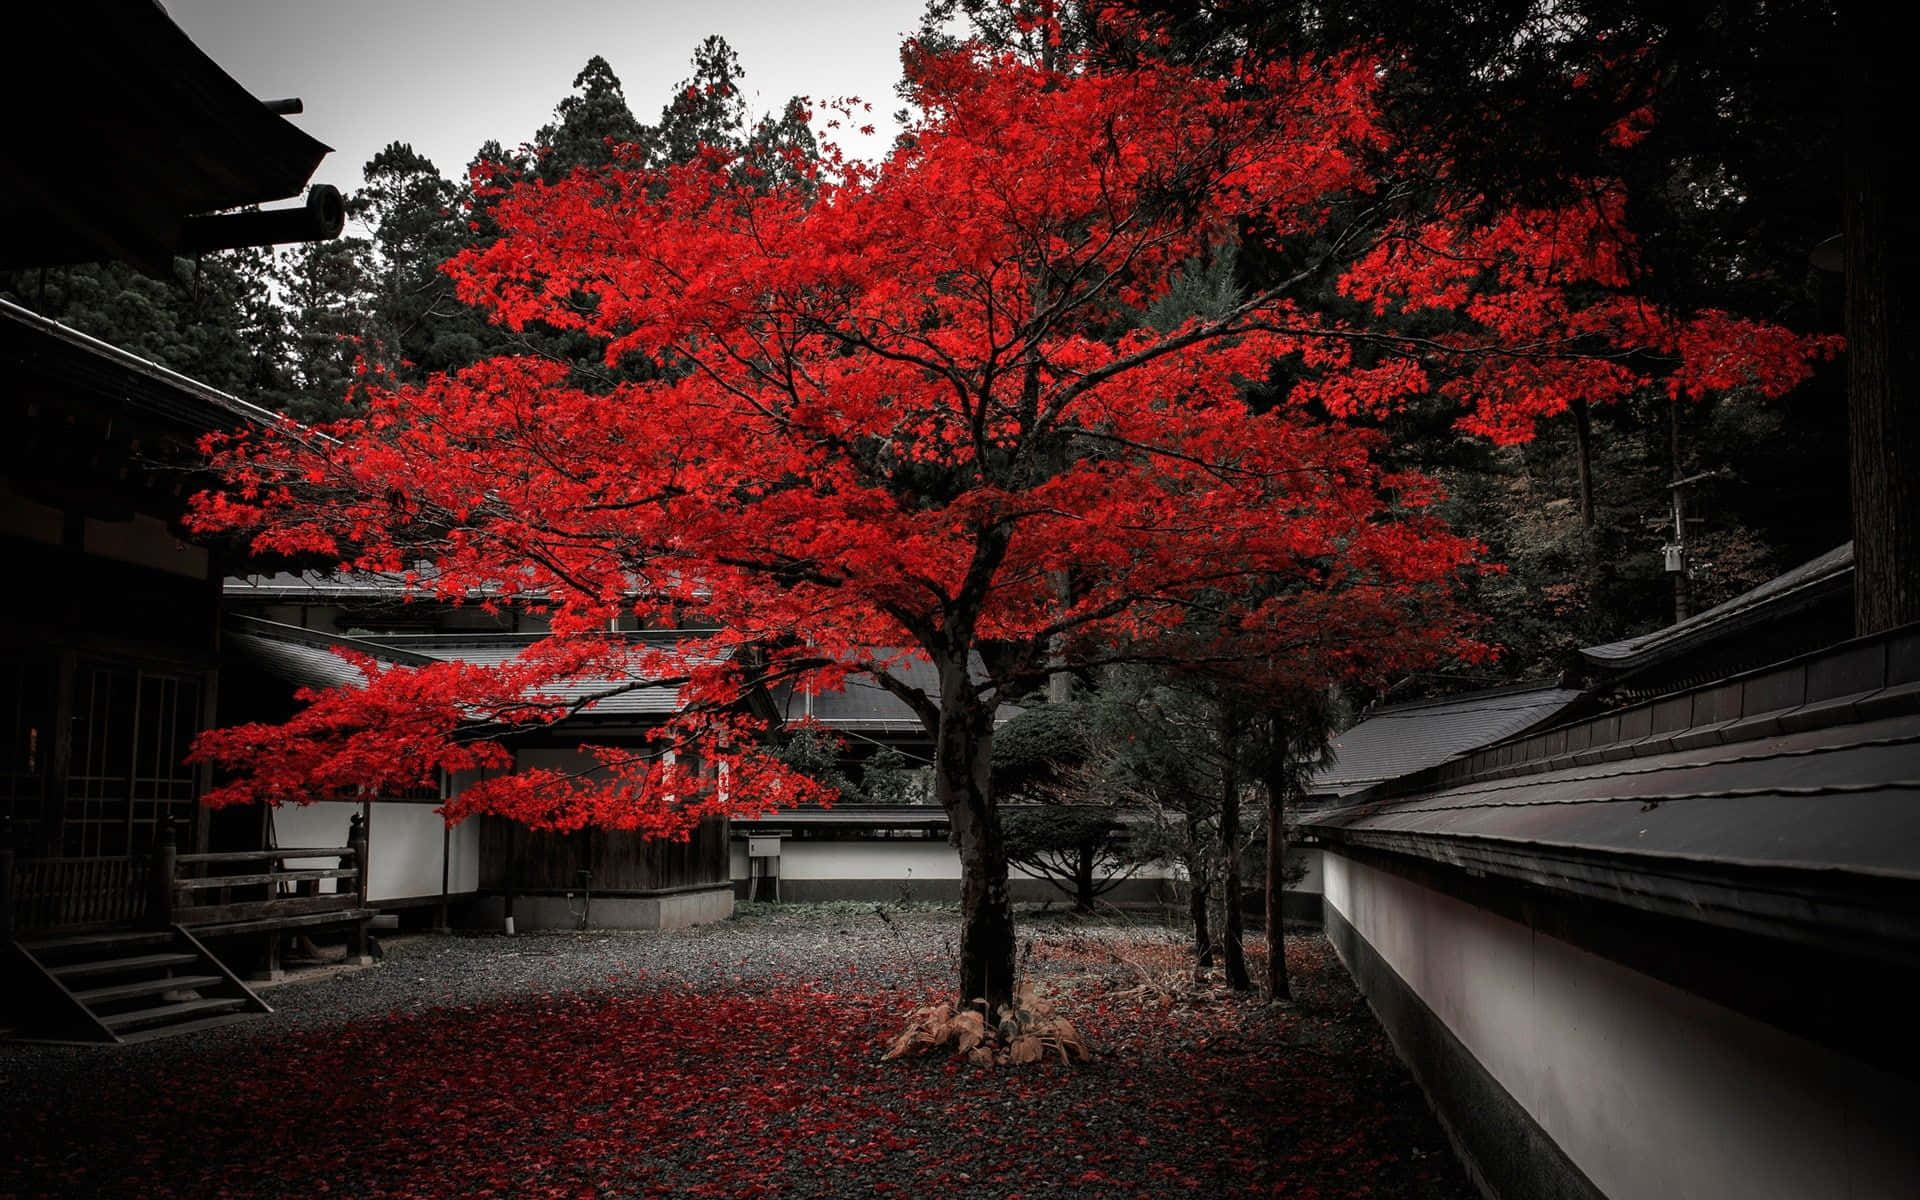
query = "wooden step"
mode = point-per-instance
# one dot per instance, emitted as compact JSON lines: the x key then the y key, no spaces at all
{"x":160,"y":1031}
{"x":116,"y":939}
{"x":121,"y":966}
{"x":146,"y":987}
{"x":164,"y":1014}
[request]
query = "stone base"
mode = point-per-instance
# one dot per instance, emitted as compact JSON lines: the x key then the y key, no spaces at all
{"x":666,"y":910}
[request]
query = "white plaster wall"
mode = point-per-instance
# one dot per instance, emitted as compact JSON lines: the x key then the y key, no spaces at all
{"x":933,"y":859}
{"x":903,"y":860}
{"x":858,"y":860}
{"x":404,"y":842}
{"x":323,"y":823}
{"x":1652,"y":1091}
{"x":1314,"y":880}
{"x":463,"y":873}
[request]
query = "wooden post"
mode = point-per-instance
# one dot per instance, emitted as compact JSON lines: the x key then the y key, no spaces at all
{"x":269,"y":969}
{"x":512,"y":866}
{"x":6,"y":877}
{"x":160,"y":874}
{"x":440,"y":922}
{"x":357,"y":950}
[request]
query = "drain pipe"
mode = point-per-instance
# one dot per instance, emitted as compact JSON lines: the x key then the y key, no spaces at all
{"x":441,"y":924}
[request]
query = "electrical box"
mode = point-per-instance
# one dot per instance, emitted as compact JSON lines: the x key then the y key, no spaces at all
{"x":1676,"y":558}
{"x":763,"y":847}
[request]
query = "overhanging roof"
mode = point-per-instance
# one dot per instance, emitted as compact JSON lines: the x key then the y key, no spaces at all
{"x":80,"y":366}
{"x":1779,"y":597}
{"x":120,"y":129}
{"x":1405,"y":738}
{"x":1783,"y":801}
{"x":846,"y":816}
{"x":98,"y":431}
{"x":863,"y":706}
{"x":309,"y":659}
{"x":311,"y":586}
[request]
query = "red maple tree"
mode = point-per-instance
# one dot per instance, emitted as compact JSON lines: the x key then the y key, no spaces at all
{"x":915,"y":406}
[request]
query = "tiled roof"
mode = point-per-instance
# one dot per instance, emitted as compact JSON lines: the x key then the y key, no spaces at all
{"x":33,"y":343}
{"x":312,"y":584}
{"x":1411,"y":737}
{"x":1783,"y":799}
{"x":863,"y":705}
{"x":1747,"y":803}
{"x":1784,"y":594}
{"x":308,"y":659}
{"x":338,"y":585}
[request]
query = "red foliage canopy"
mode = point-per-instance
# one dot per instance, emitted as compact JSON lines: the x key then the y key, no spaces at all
{"x":899,"y":405}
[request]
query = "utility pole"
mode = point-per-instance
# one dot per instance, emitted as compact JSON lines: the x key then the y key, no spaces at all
{"x":1676,"y":550}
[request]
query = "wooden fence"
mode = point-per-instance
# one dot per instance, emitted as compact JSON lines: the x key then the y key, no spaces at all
{"x":514,"y":858}
{"x":77,"y":893}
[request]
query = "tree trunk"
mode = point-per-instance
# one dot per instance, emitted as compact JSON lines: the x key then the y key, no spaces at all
{"x":1277,"y":783}
{"x":1059,"y":679}
{"x":1583,"y":459}
{"x":1235,"y":919}
{"x":1883,"y":416}
{"x":1197,"y":898}
{"x":963,"y":786}
{"x":1083,"y":879}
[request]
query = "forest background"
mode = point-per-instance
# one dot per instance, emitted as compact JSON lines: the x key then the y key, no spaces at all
{"x":1735,"y":182}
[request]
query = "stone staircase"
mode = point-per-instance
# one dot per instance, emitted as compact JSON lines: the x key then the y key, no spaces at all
{"x":128,"y":986}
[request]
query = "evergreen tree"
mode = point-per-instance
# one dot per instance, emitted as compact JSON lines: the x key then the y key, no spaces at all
{"x":707,"y":108}
{"x":778,"y":150}
{"x":589,"y":126}
{"x":419,"y":221}
{"x":328,"y":290}
{"x":1723,"y":119}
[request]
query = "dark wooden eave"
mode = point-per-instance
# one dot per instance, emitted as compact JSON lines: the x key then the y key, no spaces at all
{"x":97,"y":430}
{"x":120,"y":130}
{"x":1784,"y":802}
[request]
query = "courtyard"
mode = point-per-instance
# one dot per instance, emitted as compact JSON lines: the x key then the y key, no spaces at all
{"x":738,"y":1059}
{"x":1440,"y":476}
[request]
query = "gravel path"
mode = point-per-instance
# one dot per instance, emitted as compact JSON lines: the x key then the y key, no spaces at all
{"x":733,"y":1059}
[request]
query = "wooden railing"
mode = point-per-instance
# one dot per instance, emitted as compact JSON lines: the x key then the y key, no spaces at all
{"x":242,"y":887}
{"x":254,"y":888}
{"x":72,"y":893}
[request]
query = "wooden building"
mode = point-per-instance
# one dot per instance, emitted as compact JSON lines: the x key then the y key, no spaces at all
{"x":132,"y":145}
{"x":112,"y":876}
{"x":1663,"y":945}
{"x":486,"y":870}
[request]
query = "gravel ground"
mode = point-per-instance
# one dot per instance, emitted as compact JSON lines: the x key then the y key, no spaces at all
{"x":735,"y":1059}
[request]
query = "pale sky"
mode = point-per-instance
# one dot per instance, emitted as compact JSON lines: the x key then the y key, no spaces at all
{"x":446,"y":75}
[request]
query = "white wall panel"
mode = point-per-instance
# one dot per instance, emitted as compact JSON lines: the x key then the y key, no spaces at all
{"x":1652,"y":1091}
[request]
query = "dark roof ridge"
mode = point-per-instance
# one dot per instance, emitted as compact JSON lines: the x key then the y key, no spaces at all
{"x":1522,"y":688}
{"x":509,"y":637}
{"x":299,"y":635}
{"x":1784,"y":591}
{"x":1857,"y":679}
{"x":127,"y":359}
